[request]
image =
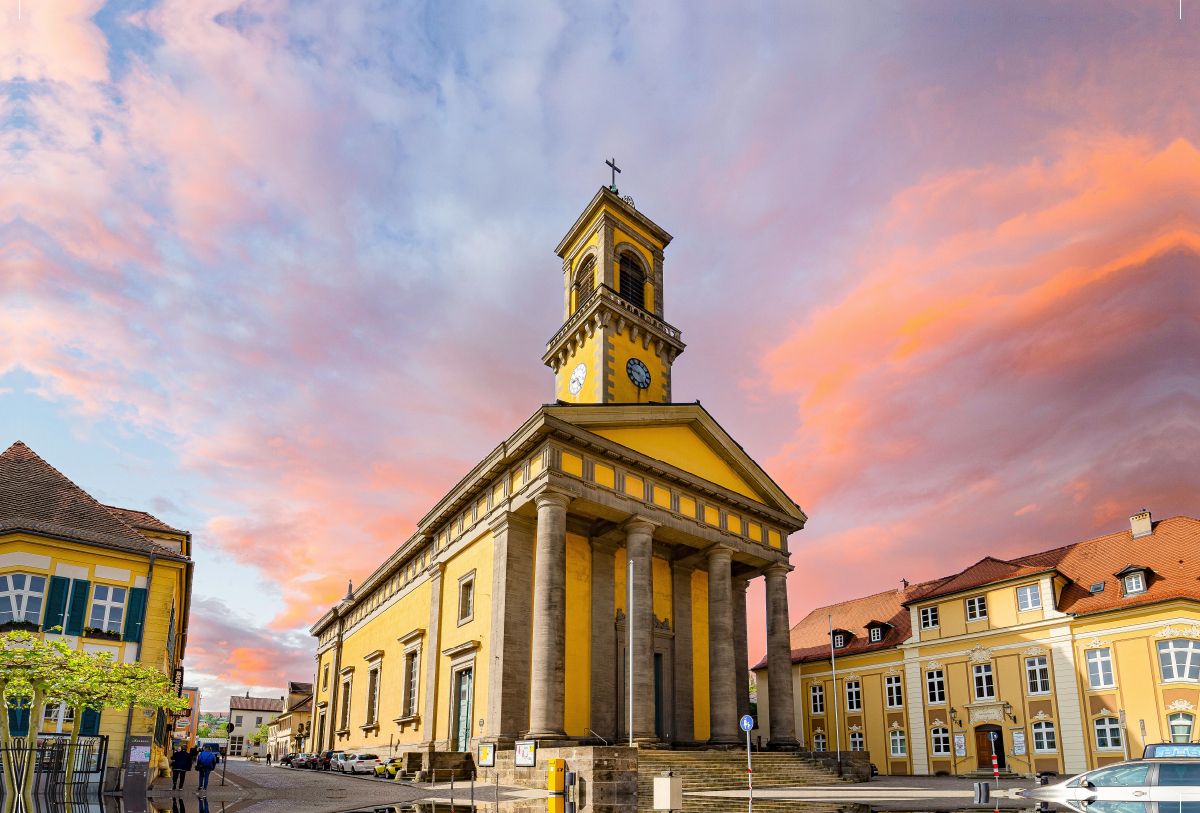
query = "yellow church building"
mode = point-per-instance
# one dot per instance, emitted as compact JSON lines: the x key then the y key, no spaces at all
{"x":612,"y":534}
{"x":1057,"y":662}
{"x":101,"y":578}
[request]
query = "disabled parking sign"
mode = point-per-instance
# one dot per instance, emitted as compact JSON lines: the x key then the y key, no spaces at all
{"x":747,"y":722}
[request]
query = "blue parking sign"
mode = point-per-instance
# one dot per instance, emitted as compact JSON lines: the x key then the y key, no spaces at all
{"x":747,"y":722}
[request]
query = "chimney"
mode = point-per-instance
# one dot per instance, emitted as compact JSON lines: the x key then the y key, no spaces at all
{"x":247,"y":695}
{"x":1140,"y":524}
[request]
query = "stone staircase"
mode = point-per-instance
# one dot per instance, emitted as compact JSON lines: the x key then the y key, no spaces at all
{"x":726,"y":770}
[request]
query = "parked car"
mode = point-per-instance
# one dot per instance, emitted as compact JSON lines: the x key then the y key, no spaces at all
{"x":1171,"y":778}
{"x":303,"y":760}
{"x":286,"y":759}
{"x":357,"y":763}
{"x":389,"y":769}
{"x":326,"y":759}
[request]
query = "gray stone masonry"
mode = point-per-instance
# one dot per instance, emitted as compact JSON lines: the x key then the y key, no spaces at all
{"x":681,"y":588}
{"x":549,"y":668}
{"x":722,"y":703}
{"x":641,"y":618}
{"x":512,"y":611}
{"x":780,"y":702}
{"x":741,"y":648}
{"x":604,"y":640}
{"x":606,"y":775}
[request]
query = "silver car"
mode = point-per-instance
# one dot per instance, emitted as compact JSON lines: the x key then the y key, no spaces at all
{"x":1155,"y":785}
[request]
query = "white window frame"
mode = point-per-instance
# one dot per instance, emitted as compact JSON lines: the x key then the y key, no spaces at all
{"x":466,"y":592}
{"x":374,"y":675}
{"x":22,"y":597}
{"x":935,"y":687}
{"x":412,"y":682}
{"x":876,"y":634}
{"x":107,"y":605}
{"x":853,"y":695}
{"x":1135,"y":583}
{"x":1045,"y":738}
{"x":1037,"y":673}
{"x":977,"y":608}
{"x":984,"y":679}
{"x":839,"y":640}
{"x":1109,"y":736}
{"x":1189,"y":648}
{"x":929,"y":618}
{"x":939,"y":739}
{"x":857,"y":743}
{"x":1179,"y":718}
{"x":1101,"y":660}
{"x":893,"y":691}
{"x":816,"y":699}
{"x":819,"y":742}
{"x":897,"y":743}
{"x":1029,"y":598}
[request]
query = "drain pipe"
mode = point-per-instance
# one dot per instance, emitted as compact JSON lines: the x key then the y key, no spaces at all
{"x":138,"y":659}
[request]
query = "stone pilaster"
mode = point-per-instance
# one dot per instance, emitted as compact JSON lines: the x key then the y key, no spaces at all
{"x":779,"y":660}
{"x":548,"y":657}
{"x":511,"y":627}
{"x":741,"y":653}
{"x":681,"y":592}
{"x":722,"y":702}
{"x":640,"y":545}
{"x":429,"y":717}
{"x":604,"y":640}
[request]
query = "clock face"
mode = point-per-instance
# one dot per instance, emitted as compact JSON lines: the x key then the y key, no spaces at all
{"x":638,"y":373}
{"x":578,"y":376}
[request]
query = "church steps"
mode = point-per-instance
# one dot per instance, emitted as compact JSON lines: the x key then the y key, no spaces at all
{"x":716,"y":770}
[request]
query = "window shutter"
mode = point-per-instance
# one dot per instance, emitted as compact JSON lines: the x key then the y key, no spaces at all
{"x":79,"y":604}
{"x":90,"y":727}
{"x":56,"y":603}
{"x":134,"y":610}
{"x":18,"y":722}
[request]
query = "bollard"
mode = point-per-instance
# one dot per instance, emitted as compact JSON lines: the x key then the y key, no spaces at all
{"x":983,"y":792}
{"x":451,"y":789}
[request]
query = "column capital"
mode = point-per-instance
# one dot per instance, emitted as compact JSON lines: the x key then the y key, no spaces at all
{"x":503,"y":520}
{"x":777,"y":570}
{"x":637,"y":523}
{"x":719,"y":551}
{"x":740,"y":583}
{"x":551,"y":495}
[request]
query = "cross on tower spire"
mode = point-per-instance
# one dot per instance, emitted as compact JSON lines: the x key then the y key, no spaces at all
{"x":615,"y":170}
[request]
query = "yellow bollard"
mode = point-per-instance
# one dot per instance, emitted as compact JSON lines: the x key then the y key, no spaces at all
{"x":556,"y":776}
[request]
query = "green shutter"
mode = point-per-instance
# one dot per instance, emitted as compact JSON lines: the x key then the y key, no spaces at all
{"x":56,"y":604}
{"x":133,"y":614}
{"x":18,"y":721}
{"x":77,"y":615}
{"x":90,"y":726}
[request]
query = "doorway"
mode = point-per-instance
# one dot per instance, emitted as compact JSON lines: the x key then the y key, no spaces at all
{"x":463,"y":680}
{"x":983,"y":746}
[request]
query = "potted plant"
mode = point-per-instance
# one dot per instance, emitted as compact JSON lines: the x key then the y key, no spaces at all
{"x":23,"y":626}
{"x":104,"y":635}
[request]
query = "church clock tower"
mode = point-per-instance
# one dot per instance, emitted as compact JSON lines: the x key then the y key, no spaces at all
{"x":614,"y":346}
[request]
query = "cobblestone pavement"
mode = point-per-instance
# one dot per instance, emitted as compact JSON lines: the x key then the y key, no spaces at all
{"x":253,"y":787}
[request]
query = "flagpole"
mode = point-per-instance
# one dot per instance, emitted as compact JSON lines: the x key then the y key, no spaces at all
{"x":837,"y":725}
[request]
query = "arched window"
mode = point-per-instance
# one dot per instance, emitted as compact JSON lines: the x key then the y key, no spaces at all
{"x":585,"y":281}
{"x":1108,"y":732}
{"x":1179,"y":659}
{"x":1181,"y":727}
{"x":940,"y":737}
{"x":633,"y":281}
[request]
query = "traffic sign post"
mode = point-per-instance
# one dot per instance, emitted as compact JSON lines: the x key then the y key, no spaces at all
{"x":747,"y":724}
{"x":995,"y":760}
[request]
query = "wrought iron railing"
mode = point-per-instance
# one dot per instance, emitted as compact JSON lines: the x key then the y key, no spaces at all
{"x":54,"y":757}
{"x":616,"y":301}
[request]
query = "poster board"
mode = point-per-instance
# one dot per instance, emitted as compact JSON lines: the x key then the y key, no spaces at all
{"x":487,"y":755}
{"x":960,"y":745}
{"x":526,"y":756}
{"x":1018,"y":743}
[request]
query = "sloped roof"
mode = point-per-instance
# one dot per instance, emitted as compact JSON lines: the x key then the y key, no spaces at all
{"x":255,"y":704}
{"x":141,"y":519}
{"x":299,"y":688}
{"x":1171,"y":553}
{"x":36,"y":497}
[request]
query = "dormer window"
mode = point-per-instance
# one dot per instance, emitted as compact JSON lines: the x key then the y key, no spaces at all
{"x":839,"y":640}
{"x":1134,"y":580}
{"x":876,"y":634}
{"x":876,"y":630}
{"x":632,"y":281}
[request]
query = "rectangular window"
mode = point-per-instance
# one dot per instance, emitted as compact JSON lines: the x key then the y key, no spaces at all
{"x":21,"y":597}
{"x":1100,"y":671}
{"x":818,"y":742}
{"x":1029,"y":598}
{"x":899,"y":745}
{"x":108,"y":608}
{"x":1179,"y":659}
{"x":1108,"y":733}
{"x":985,"y":688}
{"x":345,"y":698}
{"x":1043,"y":737}
{"x":839,"y":641}
{"x":929,"y":618}
{"x":856,"y":741}
{"x":1134,"y":583}
{"x":817,"y":696}
{"x":939,"y":738}
{"x":876,"y":634}
{"x":977,"y":608}
{"x":257,"y":721}
{"x":373,"y":696}
{"x":895,"y":697}
{"x":853,"y":696}
{"x":466,"y":599}
{"x":237,"y":721}
{"x":1037,"y":673}
{"x":935,"y":686}
{"x":411,"y":674}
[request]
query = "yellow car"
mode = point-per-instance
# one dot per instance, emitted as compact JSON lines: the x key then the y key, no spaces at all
{"x":390,"y":768}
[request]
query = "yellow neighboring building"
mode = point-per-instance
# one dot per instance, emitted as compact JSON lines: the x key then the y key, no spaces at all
{"x":1048,"y":652}
{"x":115,"y":580}
{"x":505,"y":615}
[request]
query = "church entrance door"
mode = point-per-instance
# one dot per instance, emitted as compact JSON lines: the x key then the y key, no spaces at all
{"x":462,"y":728}
{"x":983,"y":746}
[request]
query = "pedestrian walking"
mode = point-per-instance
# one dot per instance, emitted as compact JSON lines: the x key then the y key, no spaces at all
{"x":181,"y":763}
{"x":268,"y":759}
{"x":205,"y":763}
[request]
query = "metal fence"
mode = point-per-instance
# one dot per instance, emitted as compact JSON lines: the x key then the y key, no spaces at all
{"x":52,"y":756}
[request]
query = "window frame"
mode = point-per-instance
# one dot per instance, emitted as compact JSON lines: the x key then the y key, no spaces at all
{"x":935,"y":685}
{"x":978,"y":606}
{"x":939,"y":740}
{"x":930,"y":618}
{"x":1108,"y":725}
{"x":1168,"y":648}
{"x":820,"y":743}
{"x":1032,"y":593}
{"x":1180,"y":715}
{"x":856,"y":738}
{"x":853,"y":695}
{"x":374,"y":676}
{"x":893,"y":683}
{"x":26,"y":594}
{"x":983,"y":676}
{"x":466,"y":589}
{"x":1141,"y":583}
{"x":109,"y":605}
{"x":1045,"y":734}
{"x":1032,"y":675}
{"x":839,"y":640}
{"x":629,"y":257}
{"x":896,"y":736}
{"x":1100,"y":660}
{"x":816,"y":699}
{"x":875,"y":634}
{"x":347,"y":688}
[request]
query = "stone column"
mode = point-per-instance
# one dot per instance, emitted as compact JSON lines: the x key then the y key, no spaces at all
{"x":741,"y":650}
{"x":640,"y":546}
{"x":779,"y":660}
{"x":685,"y":712}
{"x":604,"y":640}
{"x":722,"y":701}
{"x":511,"y":627}
{"x":548,"y":663}
{"x":433,"y":636}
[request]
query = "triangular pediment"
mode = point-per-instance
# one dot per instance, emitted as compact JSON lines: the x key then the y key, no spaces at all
{"x":684,"y":437}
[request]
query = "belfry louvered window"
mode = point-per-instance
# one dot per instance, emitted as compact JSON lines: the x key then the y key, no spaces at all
{"x":585,"y":281}
{"x":633,"y":282}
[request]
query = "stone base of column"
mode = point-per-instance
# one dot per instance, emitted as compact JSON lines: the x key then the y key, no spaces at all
{"x":733,"y":742}
{"x":789,"y":744}
{"x":556,"y":737}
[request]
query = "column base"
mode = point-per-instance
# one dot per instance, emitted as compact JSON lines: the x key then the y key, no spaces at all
{"x":788,"y":744}
{"x":546,"y":736}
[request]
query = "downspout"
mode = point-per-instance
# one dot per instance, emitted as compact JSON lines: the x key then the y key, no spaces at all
{"x":138,"y":659}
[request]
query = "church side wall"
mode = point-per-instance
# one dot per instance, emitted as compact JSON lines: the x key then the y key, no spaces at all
{"x":578,"y":712}
{"x":700,"y":652}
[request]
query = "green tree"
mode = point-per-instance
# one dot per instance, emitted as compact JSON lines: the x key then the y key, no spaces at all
{"x":259,"y":735}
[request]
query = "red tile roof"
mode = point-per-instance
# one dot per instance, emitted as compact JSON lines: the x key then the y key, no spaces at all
{"x":36,"y":497}
{"x":140,"y":519}
{"x":1171,"y":552}
{"x":255,"y":704}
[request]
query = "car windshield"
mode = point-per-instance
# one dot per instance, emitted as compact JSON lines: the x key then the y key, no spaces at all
{"x":1174,"y":774}
{"x":1119,"y":776}
{"x":368,"y":756}
{"x":1117,"y":807}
